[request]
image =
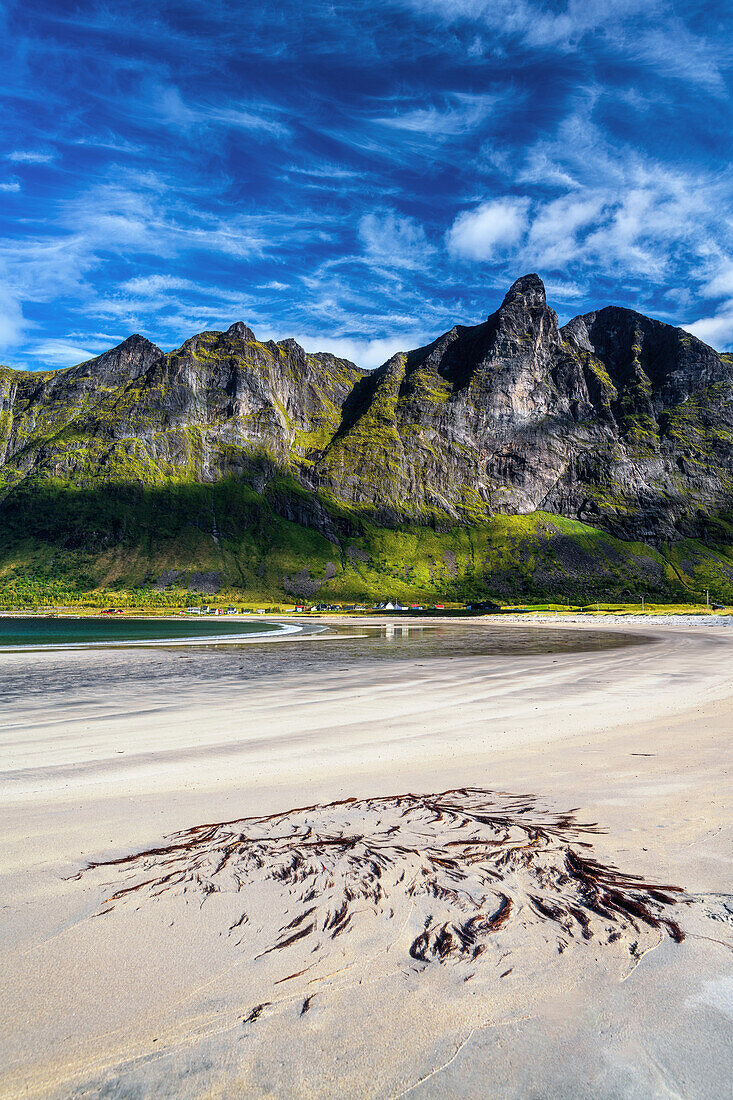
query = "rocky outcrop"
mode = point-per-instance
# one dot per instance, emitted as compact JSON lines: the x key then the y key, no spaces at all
{"x":614,"y":419}
{"x":223,"y":404}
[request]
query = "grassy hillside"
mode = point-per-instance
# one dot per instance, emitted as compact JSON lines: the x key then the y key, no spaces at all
{"x":170,"y":545}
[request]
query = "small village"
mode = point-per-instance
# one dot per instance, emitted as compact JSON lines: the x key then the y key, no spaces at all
{"x":339,"y":609}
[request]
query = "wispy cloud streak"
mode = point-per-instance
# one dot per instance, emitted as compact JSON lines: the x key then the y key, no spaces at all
{"x":363,"y":176}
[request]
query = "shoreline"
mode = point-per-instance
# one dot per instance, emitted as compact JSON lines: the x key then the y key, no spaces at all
{"x":286,"y":630}
{"x":588,"y":612}
{"x":307,"y":627}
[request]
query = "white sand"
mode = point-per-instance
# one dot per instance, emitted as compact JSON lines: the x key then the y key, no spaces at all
{"x":150,"y":998}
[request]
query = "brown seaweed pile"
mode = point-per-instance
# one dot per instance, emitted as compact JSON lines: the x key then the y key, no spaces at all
{"x":436,"y":878}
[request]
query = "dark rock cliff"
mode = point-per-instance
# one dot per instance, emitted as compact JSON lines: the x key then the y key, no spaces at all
{"x":615,"y":419}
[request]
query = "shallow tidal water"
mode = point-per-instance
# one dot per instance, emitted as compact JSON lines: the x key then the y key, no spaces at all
{"x":489,"y":639}
{"x":166,"y":667}
{"x":44,"y":631}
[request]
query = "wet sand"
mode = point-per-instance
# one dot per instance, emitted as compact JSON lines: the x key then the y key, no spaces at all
{"x":495,"y":971}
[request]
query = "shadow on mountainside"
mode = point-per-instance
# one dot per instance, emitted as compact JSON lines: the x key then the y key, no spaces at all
{"x":286,"y":539}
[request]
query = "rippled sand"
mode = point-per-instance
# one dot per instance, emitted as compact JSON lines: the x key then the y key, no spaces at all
{"x":554,"y":919}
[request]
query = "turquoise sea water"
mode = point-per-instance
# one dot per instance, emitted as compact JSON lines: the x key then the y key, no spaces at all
{"x":37,"y":631}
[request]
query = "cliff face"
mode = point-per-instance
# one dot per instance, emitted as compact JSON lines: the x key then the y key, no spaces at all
{"x":473,"y":423}
{"x":615,"y":420}
{"x":223,"y":404}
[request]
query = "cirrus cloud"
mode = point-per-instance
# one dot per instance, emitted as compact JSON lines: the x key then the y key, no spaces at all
{"x":372,"y":175}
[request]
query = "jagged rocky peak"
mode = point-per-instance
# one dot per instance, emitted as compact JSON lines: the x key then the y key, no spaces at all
{"x":241,"y":332}
{"x":522,"y":331}
{"x":516,"y":338}
{"x":293,"y":348}
{"x":616,"y":331}
{"x":527,"y":292}
{"x":134,"y":347}
{"x":136,"y":342}
{"x":577,"y":331}
{"x":673,"y":360}
{"x":129,"y":359}
{"x":234,"y":339}
{"x":525,"y":310}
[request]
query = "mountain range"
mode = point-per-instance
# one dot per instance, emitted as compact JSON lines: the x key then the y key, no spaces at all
{"x":514,"y":458}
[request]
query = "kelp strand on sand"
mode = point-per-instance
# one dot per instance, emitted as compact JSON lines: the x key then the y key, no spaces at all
{"x":458,"y":867}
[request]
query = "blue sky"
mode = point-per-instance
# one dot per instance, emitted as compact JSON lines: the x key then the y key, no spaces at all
{"x":359,"y":175}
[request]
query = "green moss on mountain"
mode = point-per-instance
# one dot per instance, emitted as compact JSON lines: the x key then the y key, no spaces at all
{"x":225,"y":538}
{"x":510,"y":459}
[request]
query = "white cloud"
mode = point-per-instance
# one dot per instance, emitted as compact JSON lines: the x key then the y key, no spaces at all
{"x":21,"y":156}
{"x":394,"y":241}
{"x":618,"y":212}
{"x":635,"y":224}
{"x":152,"y":285}
{"x":262,"y":117}
{"x":136,"y":215}
{"x":141,"y":213}
{"x":402,"y":126}
{"x":538,"y":24}
{"x":553,"y":235}
{"x":38,"y":269}
{"x":103,"y":340}
{"x":490,"y":230}
{"x":564,"y":291}
{"x":365,"y":353}
{"x":61,"y":353}
{"x":716,"y":330}
{"x":646,"y":32}
{"x":720,"y":285}
{"x":163,"y":103}
{"x":12,"y":322}
{"x":460,"y":114}
{"x":10,"y":186}
{"x":673,"y":50}
{"x":326,"y":170}
{"x":540,"y":168}
{"x":135,"y":302}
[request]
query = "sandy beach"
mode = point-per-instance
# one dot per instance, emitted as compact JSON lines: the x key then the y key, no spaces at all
{"x":469,"y":925}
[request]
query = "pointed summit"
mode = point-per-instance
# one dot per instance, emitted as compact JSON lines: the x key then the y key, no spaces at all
{"x":136,"y":340}
{"x":239,"y":329}
{"x":528,"y":291}
{"x":127,"y":360}
{"x":131,"y":345}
